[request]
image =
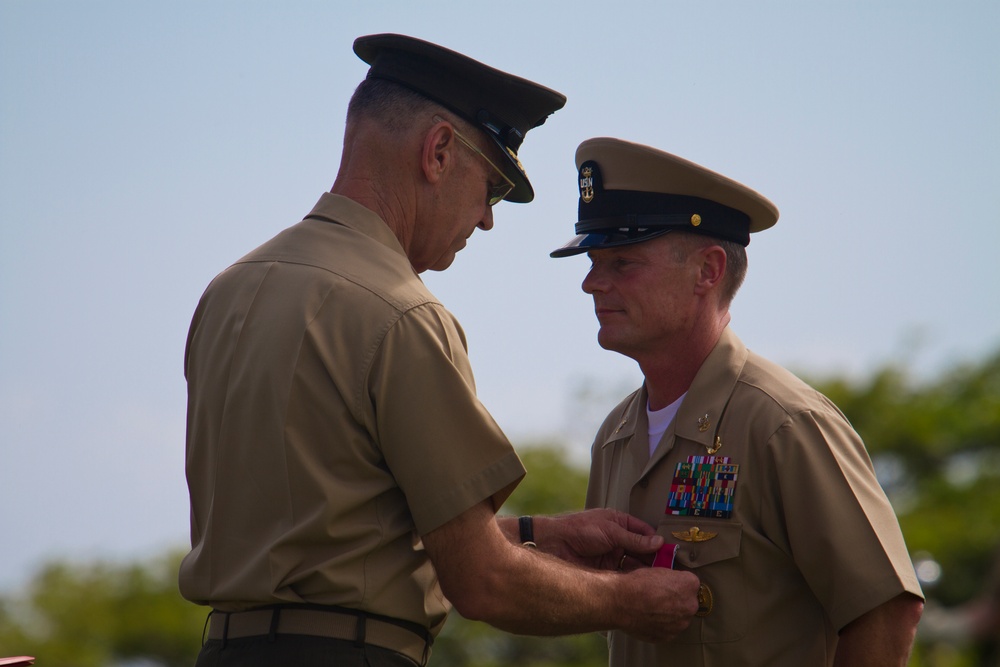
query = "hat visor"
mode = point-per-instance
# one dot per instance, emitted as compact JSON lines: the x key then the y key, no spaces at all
{"x":582,"y":243}
{"x":522,"y":192}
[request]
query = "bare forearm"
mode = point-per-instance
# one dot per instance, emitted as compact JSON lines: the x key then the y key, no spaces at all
{"x":530,"y":592}
{"x":510,"y":529}
{"x":883,"y":637}
{"x":525,"y":591}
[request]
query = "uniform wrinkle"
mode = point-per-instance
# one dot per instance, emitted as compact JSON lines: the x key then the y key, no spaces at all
{"x":401,"y":308}
{"x":357,"y":280}
{"x":368,"y":361}
{"x":379,"y":340}
{"x":216,"y":468}
{"x":784,"y":546}
{"x":839,"y":462}
{"x":249,"y":315}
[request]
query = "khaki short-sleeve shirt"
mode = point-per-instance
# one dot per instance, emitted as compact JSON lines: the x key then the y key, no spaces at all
{"x":801,"y":538}
{"x":332,"y":421}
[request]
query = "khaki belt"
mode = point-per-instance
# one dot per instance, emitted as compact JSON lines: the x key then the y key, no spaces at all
{"x":320,"y":623}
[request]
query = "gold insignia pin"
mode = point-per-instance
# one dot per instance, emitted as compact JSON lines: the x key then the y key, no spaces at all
{"x":706,"y":601}
{"x":704,"y":423}
{"x":516,"y":159}
{"x":716,"y":447}
{"x":587,"y":184}
{"x":693,"y":534}
{"x":695,"y":220}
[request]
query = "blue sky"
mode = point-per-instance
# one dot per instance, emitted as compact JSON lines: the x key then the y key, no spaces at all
{"x":145,"y":146}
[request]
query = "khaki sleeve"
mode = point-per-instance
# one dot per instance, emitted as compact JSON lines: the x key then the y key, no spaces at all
{"x":841,"y":529}
{"x":442,"y":446}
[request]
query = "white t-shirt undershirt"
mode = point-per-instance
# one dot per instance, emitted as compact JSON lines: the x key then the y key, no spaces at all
{"x":659,"y":420}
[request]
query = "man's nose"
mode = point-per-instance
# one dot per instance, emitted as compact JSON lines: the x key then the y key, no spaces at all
{"x":592,"y":282}
{"x":486,"y":224}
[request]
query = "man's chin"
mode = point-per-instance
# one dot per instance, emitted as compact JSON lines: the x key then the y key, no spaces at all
{"x":443,"y":262}
{"x":608,"y":342}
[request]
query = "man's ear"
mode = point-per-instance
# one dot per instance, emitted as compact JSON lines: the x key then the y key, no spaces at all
{"x":713,"y":268}
{"x":438,"y":153}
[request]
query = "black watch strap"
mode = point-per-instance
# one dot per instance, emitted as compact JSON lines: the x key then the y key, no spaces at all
{"x":527,"y":528}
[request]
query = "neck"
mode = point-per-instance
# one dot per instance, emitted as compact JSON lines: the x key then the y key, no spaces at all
{"x":671,"y":370}
{"x":374,"y":172}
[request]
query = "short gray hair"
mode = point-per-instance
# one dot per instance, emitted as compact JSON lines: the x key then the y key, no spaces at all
{"x":736,"y":260}
{"x":392,"y":106}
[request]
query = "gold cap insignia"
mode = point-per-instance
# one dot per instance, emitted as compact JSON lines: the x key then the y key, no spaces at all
{"x":587,"y":184}
{"x":693,"y":534}
{"x":516,"y":160}
{"x":695,"y":220}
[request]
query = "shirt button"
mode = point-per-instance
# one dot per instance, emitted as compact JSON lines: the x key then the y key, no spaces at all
{"x":693,"y":554}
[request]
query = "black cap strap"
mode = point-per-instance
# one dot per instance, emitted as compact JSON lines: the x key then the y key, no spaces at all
{"x":632,"y":223}
{"x":508,"y":135}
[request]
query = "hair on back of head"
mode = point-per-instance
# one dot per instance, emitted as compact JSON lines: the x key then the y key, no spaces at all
{"x":736,"y":268}
{"x":392,"y":106}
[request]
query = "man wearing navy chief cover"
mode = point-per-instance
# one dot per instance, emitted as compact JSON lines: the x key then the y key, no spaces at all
{"x":343,"y":476}
{"x":757,"y":482}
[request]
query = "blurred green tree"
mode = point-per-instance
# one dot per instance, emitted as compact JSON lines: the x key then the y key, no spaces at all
{"x":99,"y":614}
{"x":936,"y":447}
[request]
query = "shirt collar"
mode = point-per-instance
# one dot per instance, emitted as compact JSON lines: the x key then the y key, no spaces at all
{"x":341,"y":210}
{"x":701,"y":410}
{"x":700,"y":413}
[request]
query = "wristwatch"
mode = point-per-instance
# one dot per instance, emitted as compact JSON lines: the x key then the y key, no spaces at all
{"x":527,"y":529}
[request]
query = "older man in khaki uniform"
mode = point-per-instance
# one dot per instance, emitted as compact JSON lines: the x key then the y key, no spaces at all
{"x":343,"y":475}
{"x":758,"y":483}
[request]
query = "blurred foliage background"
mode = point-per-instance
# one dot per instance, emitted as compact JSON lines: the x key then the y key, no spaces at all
{"x":935,"y":444}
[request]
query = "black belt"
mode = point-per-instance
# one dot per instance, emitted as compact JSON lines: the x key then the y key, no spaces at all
{"x":403,"y":637}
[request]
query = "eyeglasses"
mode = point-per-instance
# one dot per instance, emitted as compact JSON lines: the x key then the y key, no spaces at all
{"x":494,"y":193}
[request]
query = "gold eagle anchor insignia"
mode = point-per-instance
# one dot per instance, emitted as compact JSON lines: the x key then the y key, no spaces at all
{"x":587,"y":184}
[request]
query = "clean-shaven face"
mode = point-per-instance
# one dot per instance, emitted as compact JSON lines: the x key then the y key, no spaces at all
{"x":466,"y":209}
{"x":643,"y":294}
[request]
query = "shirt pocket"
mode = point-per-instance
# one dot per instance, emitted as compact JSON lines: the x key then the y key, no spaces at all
{"x":710,"y":548}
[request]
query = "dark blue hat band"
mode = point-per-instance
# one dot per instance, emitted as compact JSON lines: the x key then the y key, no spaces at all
{"x":620,"y":210}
